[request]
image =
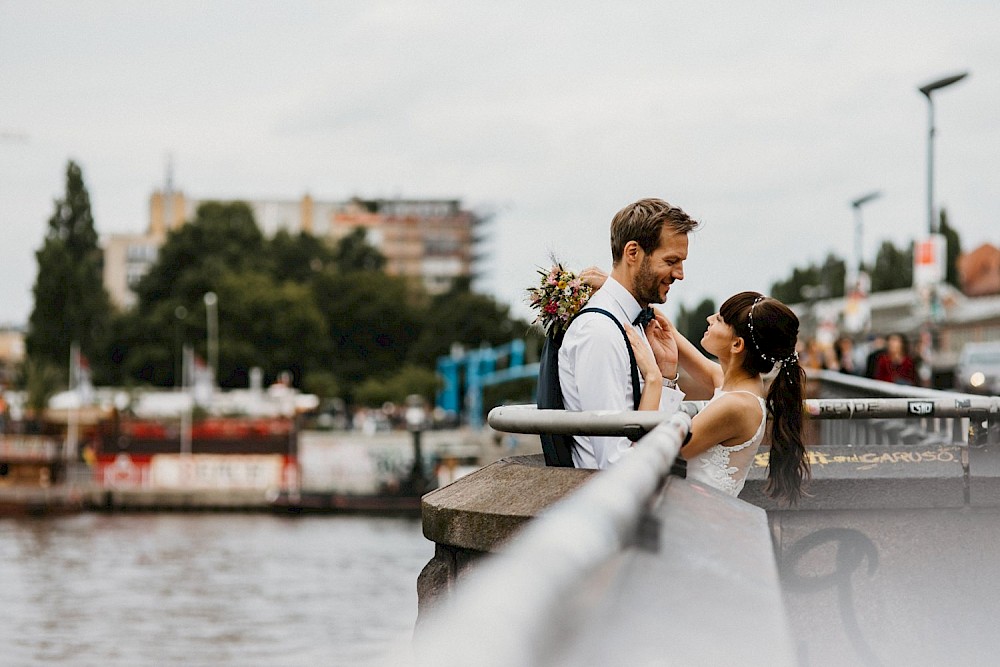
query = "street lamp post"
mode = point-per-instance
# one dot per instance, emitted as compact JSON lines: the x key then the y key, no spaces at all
{"x":181,"y":314}
{"x":859,"y":232}
{"x":212,"y":331}
{"x":416,"y":423}
{"x":927,"y":90}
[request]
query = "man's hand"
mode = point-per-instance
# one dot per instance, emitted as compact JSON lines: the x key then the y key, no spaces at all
{"x":660,"y":334}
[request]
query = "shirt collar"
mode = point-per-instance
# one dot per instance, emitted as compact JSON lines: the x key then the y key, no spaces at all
{"x":623,"y":298}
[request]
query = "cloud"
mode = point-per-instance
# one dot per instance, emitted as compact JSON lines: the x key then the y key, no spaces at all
{"x":763,"y":119}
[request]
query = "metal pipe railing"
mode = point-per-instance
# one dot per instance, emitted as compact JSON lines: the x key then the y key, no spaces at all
{"x":933,"y":409}
{"x":862,"y":386}
{"x":527,"y":418}
{"x":504,"y":611}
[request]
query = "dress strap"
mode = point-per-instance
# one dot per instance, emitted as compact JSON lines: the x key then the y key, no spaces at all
{"x":741,"y":391}
{"x":763,"y":403}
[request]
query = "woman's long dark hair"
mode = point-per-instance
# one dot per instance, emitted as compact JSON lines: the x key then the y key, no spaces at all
{"x":769,"y":330}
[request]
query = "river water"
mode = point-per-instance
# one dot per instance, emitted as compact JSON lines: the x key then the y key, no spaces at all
{"x":207,"y":589}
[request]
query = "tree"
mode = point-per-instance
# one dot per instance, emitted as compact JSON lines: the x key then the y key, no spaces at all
{"x":833,"y":275}
{"x":369,"y":321}
{"x":71,"y":304}
{"x":323,"y":383}
{"x":462,"y":316}
{"x":952,"y":252}
{"x":298,"y":257}
{"x":354,"y":253}
{"x":41,"y":381}
{"x":266,"y":317}
{"x":329,"y":315}
{"x":222,"y":238}
{"x":276,"y":326}
{"x":893,"y":268}
{"x":828,"y":277}
{"x":693,"y":323}
{"x":407,"y":381}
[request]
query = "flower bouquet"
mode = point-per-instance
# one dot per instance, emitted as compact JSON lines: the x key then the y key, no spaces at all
{"x":560,"y":295}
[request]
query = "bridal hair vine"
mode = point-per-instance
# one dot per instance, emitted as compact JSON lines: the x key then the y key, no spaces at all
{"x":560,"y":295}
{"x":786,"y":361}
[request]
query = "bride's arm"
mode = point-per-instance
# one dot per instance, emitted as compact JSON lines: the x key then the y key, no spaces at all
{"x":652,"y":378}
{"x":702,"y":370}
{"x":720,"y":421}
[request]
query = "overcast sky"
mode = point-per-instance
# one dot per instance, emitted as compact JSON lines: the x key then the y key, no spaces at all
{"x":762,"y":119}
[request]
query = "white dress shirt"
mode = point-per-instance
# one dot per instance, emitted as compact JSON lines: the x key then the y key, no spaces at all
{"x":595,"y":372}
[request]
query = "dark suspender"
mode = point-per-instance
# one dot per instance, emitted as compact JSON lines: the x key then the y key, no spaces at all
{"x":558,"y":448}
{"x":636,"y":392}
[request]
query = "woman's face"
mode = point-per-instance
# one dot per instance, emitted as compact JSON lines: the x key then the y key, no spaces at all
{"x":895,"y":346}
{"x":719,"y":335}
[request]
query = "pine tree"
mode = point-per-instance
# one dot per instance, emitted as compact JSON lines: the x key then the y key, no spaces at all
{"x":693,"y":323}
{"x":826,"y":279}
{"x":893,"y":268}
{"x":71,"y":304}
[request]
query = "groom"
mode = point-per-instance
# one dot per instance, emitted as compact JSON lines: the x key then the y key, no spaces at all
{"x":649,"y":244}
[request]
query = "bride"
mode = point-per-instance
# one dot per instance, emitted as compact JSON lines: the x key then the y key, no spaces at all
{"x":750,"y":334}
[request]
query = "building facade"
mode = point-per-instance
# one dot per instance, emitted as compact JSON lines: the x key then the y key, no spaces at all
{"x":951,"y":318}
{"x":430,"y":240}
{"x":127,"y":258}
{"x":979,"y":271}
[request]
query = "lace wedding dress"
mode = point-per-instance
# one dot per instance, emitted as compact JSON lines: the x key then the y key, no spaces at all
{"x":726,"y":468}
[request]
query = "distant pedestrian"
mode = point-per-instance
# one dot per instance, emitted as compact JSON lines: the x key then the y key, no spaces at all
{"x":816,"y":356}
{"x":895,"y":364}
{"x":843,"y":349}
{"x":876,"y":347}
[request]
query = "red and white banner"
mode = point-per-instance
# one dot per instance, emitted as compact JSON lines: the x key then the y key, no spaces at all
{"x":929,"y":261}
{"x":197,"y":472}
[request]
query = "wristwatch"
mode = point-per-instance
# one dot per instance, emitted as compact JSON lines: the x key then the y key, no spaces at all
{"x":671,"y":383}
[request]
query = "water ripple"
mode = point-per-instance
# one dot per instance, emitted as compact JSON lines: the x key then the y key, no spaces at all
{"x":207,"y":589}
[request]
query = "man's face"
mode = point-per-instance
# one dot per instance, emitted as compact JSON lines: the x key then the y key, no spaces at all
{"x":660,"y":268}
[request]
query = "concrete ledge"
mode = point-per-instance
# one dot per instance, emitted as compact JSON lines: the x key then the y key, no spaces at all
{"x":873,"y":477}
{"x":700,"y":557}
{"x":478,"y":513}
{"x":892,"y":587}
{"x":482,"y":510}
{"x":984,"y":476}
{"x":713,"y":562}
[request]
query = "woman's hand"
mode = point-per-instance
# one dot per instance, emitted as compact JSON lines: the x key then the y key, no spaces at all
{"x":593,"y":276}
{"x":644,"y":358}
{"x":660,"y":334}
{"x":652,"y":387}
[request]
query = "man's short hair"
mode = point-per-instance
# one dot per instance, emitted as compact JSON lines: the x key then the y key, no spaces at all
{"x":643,"y":222}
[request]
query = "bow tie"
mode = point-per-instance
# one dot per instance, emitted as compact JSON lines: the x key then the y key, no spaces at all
{"x":645,"y":316}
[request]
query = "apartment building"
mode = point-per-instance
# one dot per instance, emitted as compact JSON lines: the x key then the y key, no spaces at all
{"x":432,"y":240}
